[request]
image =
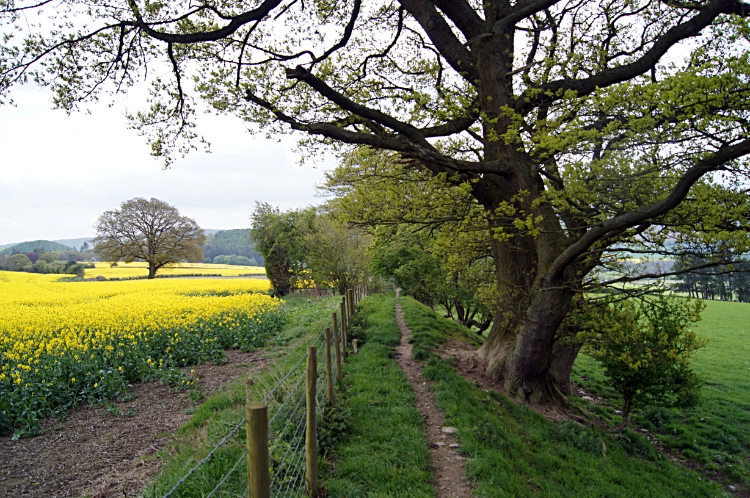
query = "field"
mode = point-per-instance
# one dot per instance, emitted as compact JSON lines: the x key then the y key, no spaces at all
{"x":64,"y":342}
{"x":140,"y":270}
{"x":716,"y":434}
{"x":509,"y":450}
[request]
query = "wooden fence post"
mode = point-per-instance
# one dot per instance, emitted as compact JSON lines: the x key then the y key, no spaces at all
{"x":344,"y":340}
{"x":329,"y":367}
{"x":337,"y":349}
{"x":258,"y":477}
{"x":311,"y":434}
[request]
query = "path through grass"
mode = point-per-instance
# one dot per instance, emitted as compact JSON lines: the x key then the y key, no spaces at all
{"x":385,"y":454}
{"x":514,"y":451}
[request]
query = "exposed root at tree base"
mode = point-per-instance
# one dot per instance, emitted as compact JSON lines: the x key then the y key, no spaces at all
{"x":472,"y":367}
{"x":448,"y":469}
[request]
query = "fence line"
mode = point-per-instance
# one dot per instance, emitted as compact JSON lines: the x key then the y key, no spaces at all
{"x":286,"y":455}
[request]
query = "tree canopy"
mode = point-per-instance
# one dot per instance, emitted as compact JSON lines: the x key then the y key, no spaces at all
{"x":309,"y":248}
{"x":580,"y":128}
{"x":148,"y":230}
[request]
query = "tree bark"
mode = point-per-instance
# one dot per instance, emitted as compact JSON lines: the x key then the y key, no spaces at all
{"x":627,"y":409}
{"x":563,"y":357}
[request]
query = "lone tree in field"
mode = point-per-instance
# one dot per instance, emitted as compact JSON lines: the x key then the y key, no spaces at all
{"x":150,"y":231}
{"x":580,"y":127}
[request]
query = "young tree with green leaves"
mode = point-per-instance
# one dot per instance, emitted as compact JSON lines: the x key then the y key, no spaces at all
{"x":579,"y":127}
{"x":278,"y":236}
{"x":645,"y":348}
{"x":337,"y":255}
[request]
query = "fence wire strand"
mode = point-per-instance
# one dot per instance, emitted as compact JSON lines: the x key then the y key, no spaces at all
{"x":292,"y":483}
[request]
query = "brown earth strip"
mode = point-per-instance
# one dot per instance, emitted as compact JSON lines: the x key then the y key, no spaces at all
{"x":100,"y":454}
{"x":447,"y":463}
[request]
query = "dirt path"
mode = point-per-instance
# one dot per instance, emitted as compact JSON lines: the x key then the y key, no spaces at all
{"x":447,"y":464}
{"x":103,"y":453}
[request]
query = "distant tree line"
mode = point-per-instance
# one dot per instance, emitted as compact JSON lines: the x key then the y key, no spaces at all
{"x":32,"y":246}
{"x":38,"y":260}
{"x":234,"y":244}
{"x":234,"y":260}
{"x":721,"y":283}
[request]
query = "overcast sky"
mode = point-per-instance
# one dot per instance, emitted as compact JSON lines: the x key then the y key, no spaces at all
{"x":58,"y":173}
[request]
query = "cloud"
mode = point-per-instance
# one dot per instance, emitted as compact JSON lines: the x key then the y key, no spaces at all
{"x":59,"y":172}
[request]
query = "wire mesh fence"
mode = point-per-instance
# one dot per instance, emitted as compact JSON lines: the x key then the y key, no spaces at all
{"x":287,"y":426}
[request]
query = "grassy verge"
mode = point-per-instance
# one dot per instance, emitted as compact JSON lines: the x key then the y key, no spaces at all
{"x":714,"y":433}
{"x":385,"y":454}
{"x":513,"y":451}
{"x":212,"y":420}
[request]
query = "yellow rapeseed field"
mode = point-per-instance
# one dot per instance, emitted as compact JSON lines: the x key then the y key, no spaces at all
{"x":61,"y":342}
{"x":139,"y":269}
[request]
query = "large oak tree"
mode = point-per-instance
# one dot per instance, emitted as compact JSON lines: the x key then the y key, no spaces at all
{"x":578,"y":126}
{"x":148,"y":230}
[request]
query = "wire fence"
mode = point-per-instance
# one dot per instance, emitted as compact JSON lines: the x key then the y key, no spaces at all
{"x":286,"y":400}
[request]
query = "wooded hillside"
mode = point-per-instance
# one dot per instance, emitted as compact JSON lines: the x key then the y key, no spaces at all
{"x":25,"y":247}
{"x":228,"y":242}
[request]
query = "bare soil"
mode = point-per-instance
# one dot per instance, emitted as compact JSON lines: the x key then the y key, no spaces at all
{"x":103,"y":453}
{"x":447,"y":463}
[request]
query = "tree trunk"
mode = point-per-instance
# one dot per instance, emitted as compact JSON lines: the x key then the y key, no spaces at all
{"x":627,"y":408}
{"x":563,"y":357}
{"x":519,"y":348}
{"x":564,"y":354}
{"x":151,"y":270}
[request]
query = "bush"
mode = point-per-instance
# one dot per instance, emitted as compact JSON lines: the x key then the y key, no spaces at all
{"x":577,"y":436}
{"x":645,"y":348}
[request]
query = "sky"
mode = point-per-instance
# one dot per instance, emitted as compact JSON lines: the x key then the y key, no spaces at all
{"x":58,"y":173}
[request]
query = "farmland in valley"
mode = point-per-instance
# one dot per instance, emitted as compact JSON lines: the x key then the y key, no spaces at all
{"x":140,"y":270}
{"x":64,"y":342}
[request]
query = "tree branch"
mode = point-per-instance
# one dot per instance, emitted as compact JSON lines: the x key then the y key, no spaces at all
{"x":618,"y":74}
{"x":236,"y":23}
{"x":633,"y":218}
{"x":440,"y":33}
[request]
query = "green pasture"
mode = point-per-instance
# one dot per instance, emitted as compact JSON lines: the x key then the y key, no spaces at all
{"x":717,"y":432}
{"x":513,"y":451}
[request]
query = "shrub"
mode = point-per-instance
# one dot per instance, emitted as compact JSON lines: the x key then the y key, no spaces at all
{"x":645,"y":349}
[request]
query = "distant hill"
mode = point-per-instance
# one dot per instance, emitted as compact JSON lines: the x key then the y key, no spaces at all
{"x":70,"y":244}
{"x":47,"y":245}
{"x":74,"y":243}
{"x":228,"y":242}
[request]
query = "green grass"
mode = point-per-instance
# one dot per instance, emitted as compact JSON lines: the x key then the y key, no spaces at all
{"x":217,"y":415}
{"x":717,"y":432}
{"x":385,"y":454}
{"x":513,"y":451}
